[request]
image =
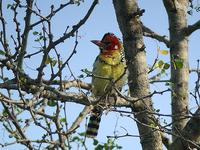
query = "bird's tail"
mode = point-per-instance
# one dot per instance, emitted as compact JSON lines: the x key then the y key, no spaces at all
{"x":93,"y":125}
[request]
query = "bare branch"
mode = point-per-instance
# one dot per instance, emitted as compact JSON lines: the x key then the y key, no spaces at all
{"x":149,"y":33}
{"x":75,"y":27}
{"x":25,"y":33}
{"x":79,"y":119}
{"x":3,"y":33}
{"x":62,"y":6}
{"x":17,"y":126}
{"x":64,"y":37}
{"x":67,"y":61}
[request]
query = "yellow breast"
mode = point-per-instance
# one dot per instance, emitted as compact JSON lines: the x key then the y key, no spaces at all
{"x":107,"y":69}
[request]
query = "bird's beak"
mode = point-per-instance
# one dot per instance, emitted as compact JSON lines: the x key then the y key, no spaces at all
{"x":98,"y":43}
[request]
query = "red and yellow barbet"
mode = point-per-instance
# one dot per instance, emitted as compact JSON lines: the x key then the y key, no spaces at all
{"x":109,"y":64}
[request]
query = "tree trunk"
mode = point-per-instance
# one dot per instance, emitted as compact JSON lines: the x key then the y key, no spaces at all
{"x":177,"y":15}
{"x":190,"y":137}
{"x":127,"y":13}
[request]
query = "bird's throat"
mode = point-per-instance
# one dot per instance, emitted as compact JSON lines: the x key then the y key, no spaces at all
{"x":108,"y":53}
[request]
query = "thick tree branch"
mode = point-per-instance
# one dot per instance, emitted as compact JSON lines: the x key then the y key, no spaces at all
{"x":192,"y":28}
{"x":149,"y":33}
{"x":54,"y":94}
{"x":191,"y":132}
{"x":68,"y":84}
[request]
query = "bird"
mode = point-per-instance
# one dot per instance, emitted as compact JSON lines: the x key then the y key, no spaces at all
{"x":108,"y":73}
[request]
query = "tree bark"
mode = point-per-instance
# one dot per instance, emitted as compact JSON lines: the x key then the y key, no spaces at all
{"x":190,"y":134}
{"x":128,"y":13}
{"x":177,"y":16}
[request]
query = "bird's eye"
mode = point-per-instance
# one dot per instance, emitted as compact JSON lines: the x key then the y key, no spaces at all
{"x":116,"y":47}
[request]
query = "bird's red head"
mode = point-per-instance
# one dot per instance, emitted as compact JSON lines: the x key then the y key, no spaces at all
{"x":109,"y":42}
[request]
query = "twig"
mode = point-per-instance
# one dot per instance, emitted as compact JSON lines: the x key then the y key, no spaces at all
{"x":18,"y":128}
{"x":3,"y":36}
{"x":79,"y":119}
{"x":51,"y":14}
{"x":63,"y":38}
{"x":67,"y":61}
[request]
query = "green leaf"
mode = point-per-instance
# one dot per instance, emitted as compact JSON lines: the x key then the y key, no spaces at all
{"x":82,"y":134}
{"x":99,"y":147}
{"x":81,"y":76}
{"x":41,"y":37}
{"x":179,"y":63}
{"x":8,"y":6}
{"x":166,"y":66}
{"x":160,"y":63}
{"x":86,"y":71}
{"x":119,"y":147}
{"x":35,"y":33}
{"x":51,"y":103}
{"x":162,"y":71}
{"x":163,"y":52}
{"x":76,"y":138}
{"x":54,"y":62}
{"x":37,"y":40}
{"x":2,"y":52}
{"x":95,"y":142}
{"x":20,"y":120}
{"x":63,"y":120}
{"x":48,"y":60}
{"x":157,"y":110}
{"x":51,"y":61}
{"x":5,"y":113}
{"x":168,"y":84}
{"x":106,"y":146}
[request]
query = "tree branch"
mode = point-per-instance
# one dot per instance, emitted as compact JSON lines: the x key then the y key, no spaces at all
{"x":149,"y":33}
{"x":64,"y":37}
{"x":192,"y":28}
{"x":79,"y":119}
{"x":190,"y":132}
{"x":17,"y":126}
{"x":51,"y":14}
{"x":75,"y":27}
{"x":25,"y":33}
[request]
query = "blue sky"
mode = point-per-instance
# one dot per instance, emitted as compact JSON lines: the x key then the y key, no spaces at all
{"x":103,"y":20}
